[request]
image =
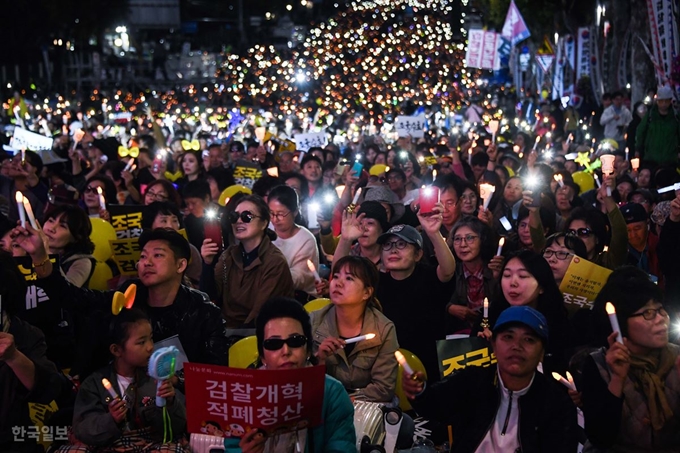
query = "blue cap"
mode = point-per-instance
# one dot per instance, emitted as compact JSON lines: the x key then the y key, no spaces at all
{"x":524,"y":315}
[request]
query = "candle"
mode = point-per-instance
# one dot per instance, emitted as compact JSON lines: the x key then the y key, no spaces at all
{"x":493,"y":127}
{"x":402,"y":361}
{"x":273,"y":171}
{"x":597,"y":180}
{"x":635,"y":163}
{"x":558,"y":178}
{"x":129,"y":165}
{"x":356,"y":196}
{"x":571,"y":380}
{"x":19,"y":197}
{"x":368,"y":336}
{"x":470,"y":154}
{"x":626,"y":153}
{"x":312,"y":269}
{"x":486,"y":191}
{"x":102,"y":200}
{"x":486,"y":307}
{"x":538,"y":139}
{"x":561,"y":380}
{"x":611,"y":312}
{"x":29,"y":211}
{"x":339,"y":190}
{"x":501,"y":243}
{"x":109,"y":388}
{"x":23,"y":156}
{"x":434,"y":175}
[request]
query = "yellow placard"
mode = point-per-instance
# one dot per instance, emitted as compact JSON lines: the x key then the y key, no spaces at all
{"x":582,"y":283}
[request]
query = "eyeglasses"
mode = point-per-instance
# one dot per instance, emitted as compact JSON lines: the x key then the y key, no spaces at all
{"x":90,"y":189}
{"x":650,"y":313}
{"x":400,"y":245}
{"x":294,"y":341}
{"x":245,"y":216}
{"x":278,"y":215}
{"x":156,"y":195}
{"x":547,"y":254}
{"x":580,"y":232}
{"x":469,"y":238}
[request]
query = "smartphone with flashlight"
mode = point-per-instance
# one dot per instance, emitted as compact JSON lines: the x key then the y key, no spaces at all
{"x":357,"y":168}
{"x":212,"y":229}
{"x":340,"y":168}
{"x":532,"y":183}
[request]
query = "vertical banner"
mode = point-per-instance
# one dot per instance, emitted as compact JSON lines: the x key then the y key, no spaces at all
{"x":482,"y":50}
{"x":622,"y":73}
{"x":570,"y":65}
{"x":558,"y":76}
{"x":663,"y":26}
{"x":583,"y":53}
{"x":473,"y":55}
{"x":595,"y":68}
{"x":490,"y":50}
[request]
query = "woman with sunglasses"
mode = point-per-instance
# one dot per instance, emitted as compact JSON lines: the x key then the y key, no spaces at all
{"x":296,"y":243}
{"x":249,"y":273}
{"x":367,"y":369}
{"x":631,"y":389}
{"x":476,"y":273}
{"x":284,"y":342}
{"x":91,"y":200}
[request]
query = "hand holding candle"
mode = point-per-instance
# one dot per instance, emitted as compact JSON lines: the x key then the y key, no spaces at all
{"x":29,"y":211}
{"x":486,"y":192}
{"x":19,"y":197}
{"x":312,"y":269}
{"x":109,"y":388}
{"x":356,"y":196}
{"x":568,"y":384}
{"x":368,"y":336}
{"x":611,"y":313}
{"x":404,"y":364}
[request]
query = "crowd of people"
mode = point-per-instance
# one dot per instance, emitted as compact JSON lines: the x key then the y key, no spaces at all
{"x":404,"y":233}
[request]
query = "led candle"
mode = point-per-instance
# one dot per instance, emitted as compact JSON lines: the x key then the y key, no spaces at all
{"x":501,"y":243}
{"x":559,"y":180}
{"x":109,"y":388}
{"x":486,"y":192}
{"x":102,"y":200}
{"x":486,"y":307}
{"x":563,"y":381}
{"x":356,"y":196}
{"x":312,"y":269}
{"x":368,"y":336}
{"x":402,"y":361}
{"x":635,"y":163}
{"x":19,"y":197}
{"x":29,"y":211}
{"x":611,"y":312}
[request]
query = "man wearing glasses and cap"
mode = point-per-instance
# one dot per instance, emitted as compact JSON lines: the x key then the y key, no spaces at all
{"x":506,"y":407}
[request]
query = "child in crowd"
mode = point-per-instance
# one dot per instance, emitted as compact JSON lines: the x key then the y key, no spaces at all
{"x":131,"y":422}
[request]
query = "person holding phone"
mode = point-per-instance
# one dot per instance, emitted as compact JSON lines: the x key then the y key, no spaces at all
{"x":249,"y":273}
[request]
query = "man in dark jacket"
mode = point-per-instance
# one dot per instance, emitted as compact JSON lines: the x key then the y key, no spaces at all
{"x":504,"y":408}
{"x":173,"y":308}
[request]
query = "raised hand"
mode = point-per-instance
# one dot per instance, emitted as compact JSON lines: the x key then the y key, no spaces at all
{"x":351,"y":225}
{"x":411,"y":386}
{"x":432,"y":221}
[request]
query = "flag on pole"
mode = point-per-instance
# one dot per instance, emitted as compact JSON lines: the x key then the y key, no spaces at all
{"x":515,"y":29}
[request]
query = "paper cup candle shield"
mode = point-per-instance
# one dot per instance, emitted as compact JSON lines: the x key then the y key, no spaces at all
{"x":123,"y":300}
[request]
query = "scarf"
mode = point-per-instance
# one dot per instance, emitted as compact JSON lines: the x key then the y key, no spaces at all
{"x":648,"y":374}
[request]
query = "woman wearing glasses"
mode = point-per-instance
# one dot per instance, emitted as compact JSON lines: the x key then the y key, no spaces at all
{"x":161,"y":190}
{"x":476,"y":273}
{"x":91,"y":198}
{"x":560,"y":248}
{"x":250,"y":272}
{"x":297,"y":243}
{"x":631,"y":390}
{"x":284,"y":342}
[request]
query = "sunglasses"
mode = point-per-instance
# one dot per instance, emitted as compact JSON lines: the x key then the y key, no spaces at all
{"x":245,"y":216}
{"x":90,"y":189}
{"x":580,"y":232}
{"x":294,"y":341}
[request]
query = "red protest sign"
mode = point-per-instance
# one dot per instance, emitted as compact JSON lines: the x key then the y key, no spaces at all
{"x":231,"y":401}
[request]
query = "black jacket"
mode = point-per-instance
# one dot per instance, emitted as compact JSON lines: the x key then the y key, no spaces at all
{"x":197,"y":321}
{"x":469,"y":399}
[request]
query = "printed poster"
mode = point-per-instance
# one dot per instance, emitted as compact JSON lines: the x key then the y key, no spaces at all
{"x":232,"y":401}
{"x":582,"y":283}
{"x":459,"y":353}
{"x":126,"y":220}
{"x":303,"y":142}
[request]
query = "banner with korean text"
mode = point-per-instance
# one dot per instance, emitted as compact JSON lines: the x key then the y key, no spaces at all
{"x":456,"y":354}
{"x":582,"y":283}
{"x":238,"y":400}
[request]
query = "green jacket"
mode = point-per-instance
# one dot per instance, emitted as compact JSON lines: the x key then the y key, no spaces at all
{"x":658,"y":137}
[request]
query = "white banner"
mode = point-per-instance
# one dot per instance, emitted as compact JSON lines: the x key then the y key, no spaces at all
{"x":482,"y":50}
{"x":583,"y":53}
{"x":30,"y":140}
{"x":664,"y":30}
{"x":558,"y":76}
{"x":410,"y":125}
{"x":570,"y":64}
{"x":305,"y":141}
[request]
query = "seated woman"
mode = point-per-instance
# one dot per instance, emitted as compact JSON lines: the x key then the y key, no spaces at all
{"x":526,"y":279}
{"x":102,"y":423}
{"x":67,"y":229}
{"x":560,"y":248}
{"x":476,"y":273}
{"x":250,"y":273}
{"x":361,"y":230}
{"x":367,"y":369}
{"x":297,"y":243}
{"x":631,"y":390}
{"x":284,"y":341}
